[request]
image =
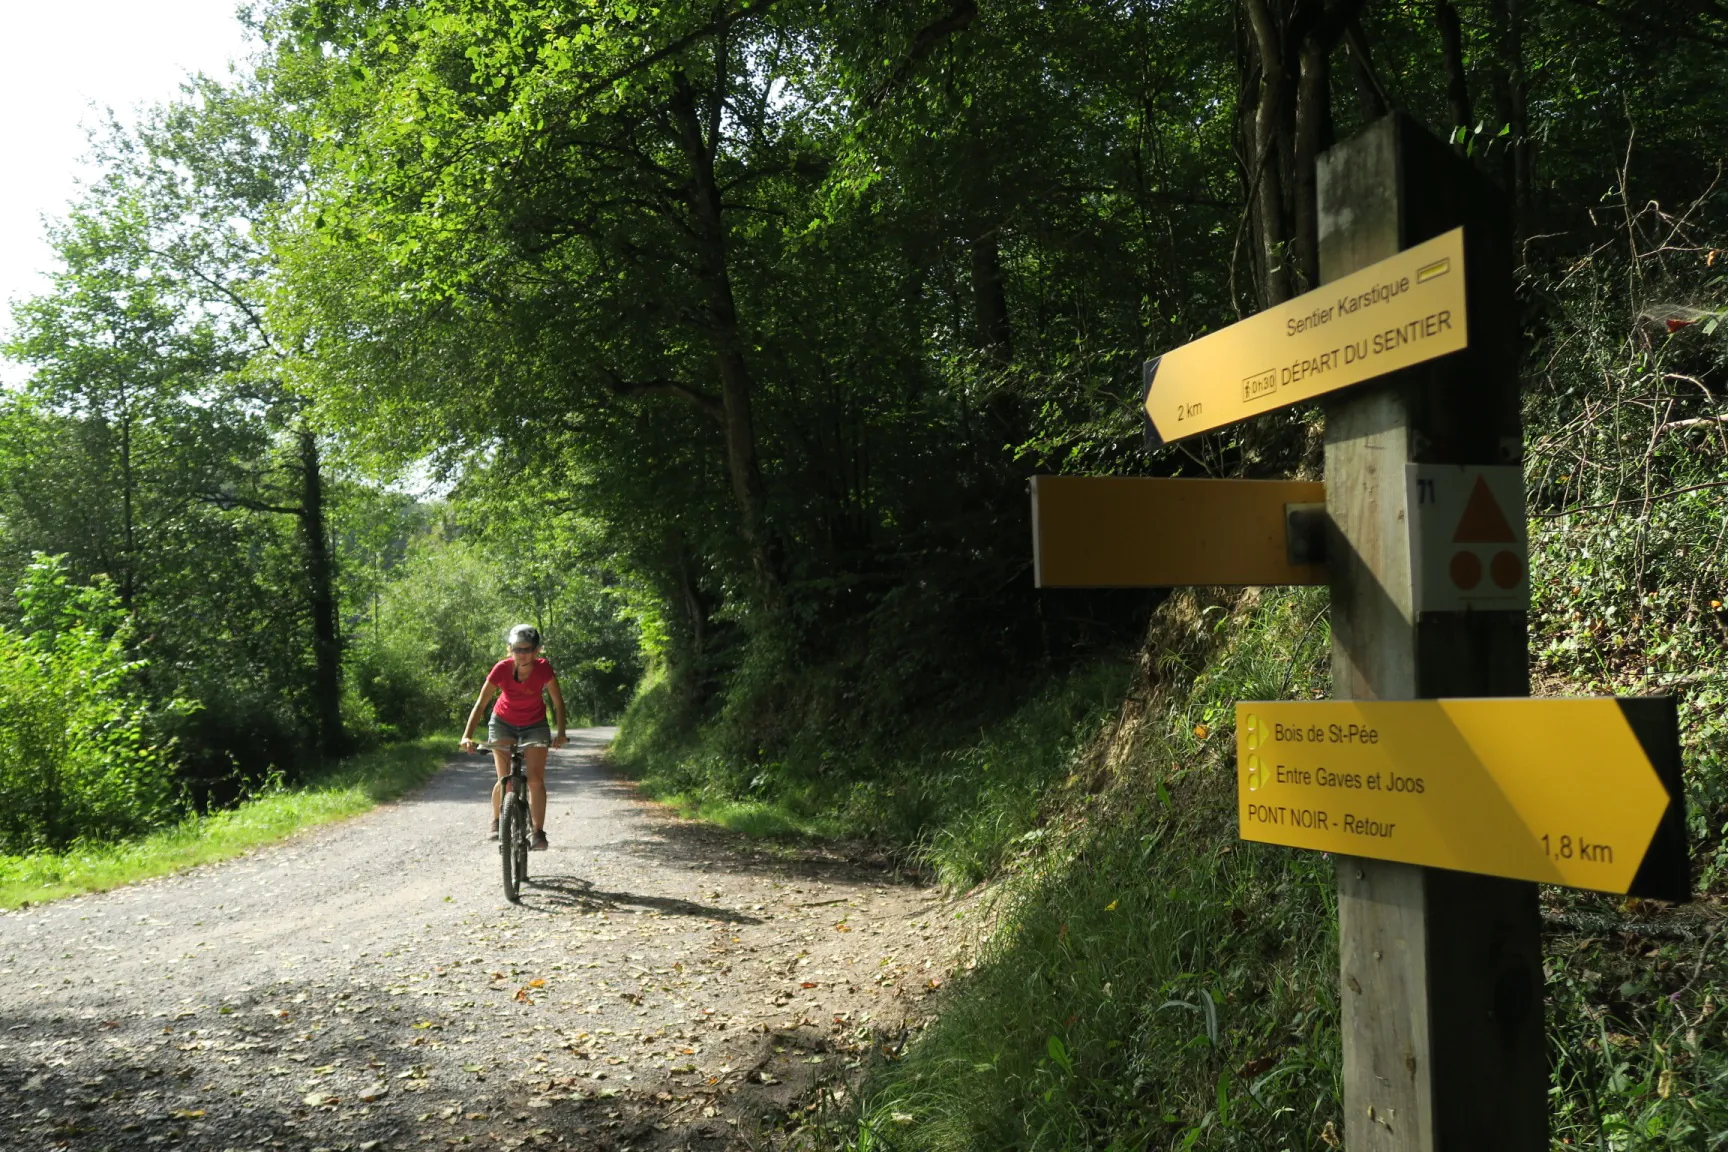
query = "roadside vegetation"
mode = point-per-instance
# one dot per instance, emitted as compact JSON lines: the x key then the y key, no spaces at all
{"x":275,"y":811}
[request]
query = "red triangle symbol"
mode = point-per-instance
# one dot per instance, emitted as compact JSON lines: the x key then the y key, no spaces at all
{"x":1483,"y":522}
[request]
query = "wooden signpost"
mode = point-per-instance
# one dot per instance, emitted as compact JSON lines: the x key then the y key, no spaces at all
{"x":1441,"y":971}
{"x":1445,"y":791}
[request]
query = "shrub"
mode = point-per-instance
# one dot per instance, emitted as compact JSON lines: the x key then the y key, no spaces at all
{"x":81,"y":756}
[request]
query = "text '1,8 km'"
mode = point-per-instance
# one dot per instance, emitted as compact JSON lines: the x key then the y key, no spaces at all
{"x":1402,"y":311}
{"x":1577,"y":792}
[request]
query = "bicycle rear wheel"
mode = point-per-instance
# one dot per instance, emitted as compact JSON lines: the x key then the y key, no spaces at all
{"x":511,"y":821}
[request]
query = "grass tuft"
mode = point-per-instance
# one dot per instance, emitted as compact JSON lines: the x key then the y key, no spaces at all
{"x":354,"y":786}
{"x":1168,"y":990}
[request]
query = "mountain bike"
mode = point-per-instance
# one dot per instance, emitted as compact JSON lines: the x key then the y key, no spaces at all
{"x":515,"y":827}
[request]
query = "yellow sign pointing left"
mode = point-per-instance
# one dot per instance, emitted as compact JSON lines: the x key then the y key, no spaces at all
{"x":1406,"y":309}
{"x":1580,"y":792}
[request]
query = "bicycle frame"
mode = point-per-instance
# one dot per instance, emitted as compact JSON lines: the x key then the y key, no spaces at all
{"x":518,"y":763}
{"x":515,"y":832}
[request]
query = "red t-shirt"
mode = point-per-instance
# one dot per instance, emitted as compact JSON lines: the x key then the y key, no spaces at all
{"x":521,"y":703}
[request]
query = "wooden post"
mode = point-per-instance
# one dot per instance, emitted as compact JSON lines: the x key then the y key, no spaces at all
{"x":1441,"y":971}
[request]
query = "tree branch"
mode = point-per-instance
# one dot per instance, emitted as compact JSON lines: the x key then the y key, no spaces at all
{"x":706,"y":401}
{"x":721,"y":24}
{"x":1631,"y":501}
{"x":228,"y":501}
{"x":957,"y":20}
{"x":253,"y":319}
{"x":1695,"y":422}
{"x":1365,"y":71}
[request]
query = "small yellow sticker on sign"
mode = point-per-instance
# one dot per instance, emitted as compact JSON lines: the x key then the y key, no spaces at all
{"x":1402,"y":311}
{"x":1556,"y":791}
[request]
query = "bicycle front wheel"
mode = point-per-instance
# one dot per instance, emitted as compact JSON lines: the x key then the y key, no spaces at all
{"x":511,"y":824}
{"x":522,"y":846}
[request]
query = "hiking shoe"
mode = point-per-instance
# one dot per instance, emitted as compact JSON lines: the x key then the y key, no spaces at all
{"x":493,"y":834}
{"x":539,"y":844}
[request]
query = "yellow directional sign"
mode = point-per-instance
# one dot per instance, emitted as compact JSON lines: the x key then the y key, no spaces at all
{"x":1156,"y":532}
{"x":1580,"y":792}
{"x":1404,"y":310}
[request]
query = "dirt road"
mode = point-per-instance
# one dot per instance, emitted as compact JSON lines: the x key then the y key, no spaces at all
{"x":366,"y":987}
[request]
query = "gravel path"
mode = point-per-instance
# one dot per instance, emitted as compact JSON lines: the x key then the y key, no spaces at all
{"x":365,"y":986}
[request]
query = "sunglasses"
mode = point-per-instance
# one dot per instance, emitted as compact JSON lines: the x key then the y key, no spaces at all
{"x":521,"y":651}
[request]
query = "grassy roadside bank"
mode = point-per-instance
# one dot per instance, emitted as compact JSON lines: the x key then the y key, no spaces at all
{"x":1150,"y":981}
{"x":1171,"y":986}
{"x":1174,"y":987}
{"x":956,"y":803}
{"x":1168,"y":985}
{"x":351,"y":787}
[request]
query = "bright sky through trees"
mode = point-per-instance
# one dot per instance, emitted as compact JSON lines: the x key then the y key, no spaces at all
{"x":66,"y":62}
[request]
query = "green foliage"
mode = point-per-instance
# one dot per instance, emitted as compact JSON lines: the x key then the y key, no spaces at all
{"x":1164,"y":994}
{"x":1638,"y":1062}
{"x":82,"y":751}
{"x":439,"y":625}
{"x":436,"y":619}
{"x":1626,"y":481}
{"x":154,"y":443}
{"x":560,"y":570}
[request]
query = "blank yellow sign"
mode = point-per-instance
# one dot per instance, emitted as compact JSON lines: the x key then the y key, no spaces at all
{"x":1558,"y":791}
{"x":1144,"y":532}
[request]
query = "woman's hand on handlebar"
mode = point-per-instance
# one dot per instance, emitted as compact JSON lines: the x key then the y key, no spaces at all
{"x":468,"y":744}
{"x":559,"y":740}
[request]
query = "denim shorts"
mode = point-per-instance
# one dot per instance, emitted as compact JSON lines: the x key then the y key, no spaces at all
{"x":498,"y":731}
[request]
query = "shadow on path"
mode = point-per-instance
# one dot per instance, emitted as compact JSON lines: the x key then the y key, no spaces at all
{"x":557,"y":893}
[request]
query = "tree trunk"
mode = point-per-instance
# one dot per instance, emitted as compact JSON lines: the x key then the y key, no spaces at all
{"x":709,"y":229}
{"x":1267,"y":162}
{"x":1293,"y":40}
{"x":1513,"y":88}
{"x":1523,"y":144}
{"x":128,"y":527}
{"x":694,"y":609}
{"x":1457,"y":83}
{"x":1313,"y":136}
{"x":990,"y":298}
{"x":321,"y":598}
{"x":1369,"y":93}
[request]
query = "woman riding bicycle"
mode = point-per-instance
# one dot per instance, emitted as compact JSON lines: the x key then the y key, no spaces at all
{"x":520,"y":716}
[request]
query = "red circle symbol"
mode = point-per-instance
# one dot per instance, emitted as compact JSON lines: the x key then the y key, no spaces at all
{"x":1506,"y":570}
{"x":1466,"y":570}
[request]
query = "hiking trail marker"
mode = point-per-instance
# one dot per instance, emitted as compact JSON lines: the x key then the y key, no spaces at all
{"x":1580,"y":792}
{"x":1401,"y":311}
{"x":1467,"y":538}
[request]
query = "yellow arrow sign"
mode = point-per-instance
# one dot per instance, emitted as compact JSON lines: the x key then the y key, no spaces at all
{"x":1580,"y":792}
{"x":1404,"y":310}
